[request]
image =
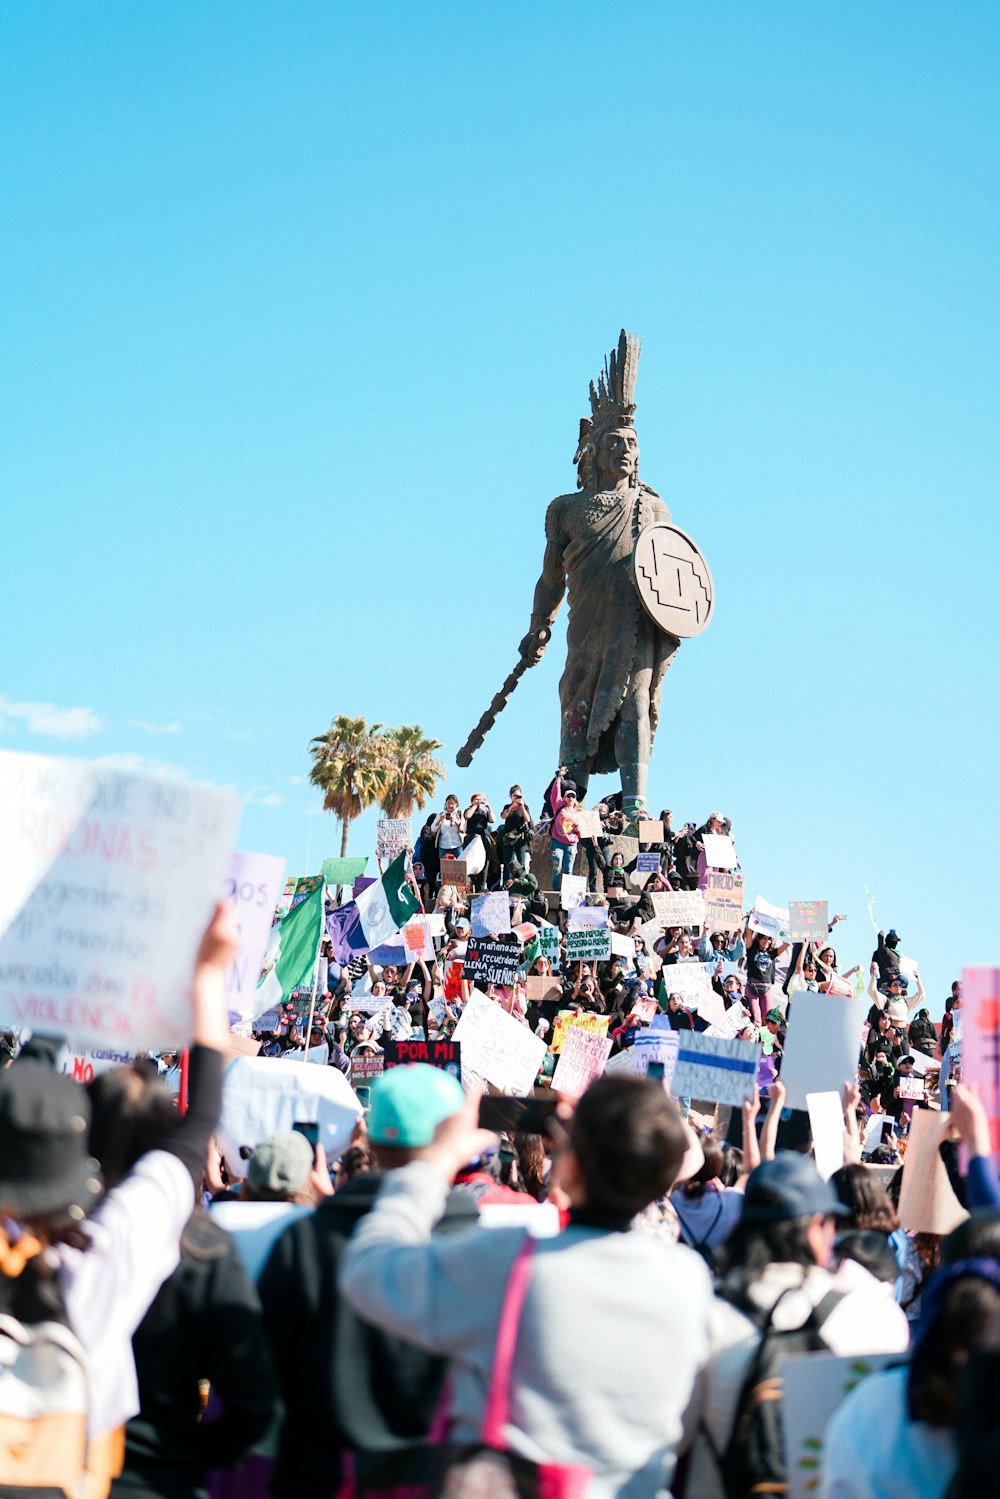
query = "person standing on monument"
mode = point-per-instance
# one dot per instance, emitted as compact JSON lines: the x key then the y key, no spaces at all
{"x":616,"y":656}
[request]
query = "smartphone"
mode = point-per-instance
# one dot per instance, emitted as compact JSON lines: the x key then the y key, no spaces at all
{"x":528,"y":1116}
{"x":655,"y":1071}
{"x":309,"y":1131}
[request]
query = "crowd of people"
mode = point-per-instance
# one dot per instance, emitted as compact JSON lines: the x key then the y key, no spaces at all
{"x":593,"y":1297}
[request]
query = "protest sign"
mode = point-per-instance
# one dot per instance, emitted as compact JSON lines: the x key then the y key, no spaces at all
{"x":361,"y":882}
{"x":911,"y":1087}
{"x":496,"y":1048}
{"x":723,"y":901}
{"x":644,"y":1006}
{"x":369,"y":1004}
{"x":981,"y":1041}
{"x":344,"y":871}
{"x":490,"y":914}
{"x":592,"y":944}
{"x":107,"y":882}
{"x":678,"y":907}
{"x":444,"y":1054}
{"x":417,"y":940}
{"x":366,"y":1065}
{"x":927,"y":1203}
{"x":540,"y":987}
{"x":622,"y":946}
{"x":84,"y":1066}
{"x":826,"y":1120}
{"x":656,"y":1044}
{"x":588,"y":822}
{"x":269,"y":1021}
{"x":735,"y":1020}
{"x":572,"y":890}
{"x":807,"y":920}
{"x":253,"y":886}
{"x":586,"y":916}
{"x":651,"y":932}
{"x":392,"y":836}
{"x":813,"y":1386}
{"x":650,"y":831}
{"x":260,"y":1100}
{"x":454,"y":872}
{"x":581,"y":1058}
{"x":822,"y":1044}
{"x":720,"y":851}
{"x":647,"y":863}
{"x":715,"y":1068}
{"x":622,"y":1061}
{"x":596,"y":1024}
{"x":391,"y":954}
{"x":475,"y":856}
{"x":548,"y":941}
{"x":770,"y":921}
{"x":492,"y":960}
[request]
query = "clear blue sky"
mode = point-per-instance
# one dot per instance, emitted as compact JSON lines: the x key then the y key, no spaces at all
{"x":300,"y":302}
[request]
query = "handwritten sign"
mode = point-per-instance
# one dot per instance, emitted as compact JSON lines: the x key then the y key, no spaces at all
{"x":454,"y":872}
{"x":678,"y":907}
{"x":981,"y":1040}
{"x":588,"y":823}
{"x":927,"y":1203}
{"x":814,"y":1385}
{"x":651,"y":931}
{"x":392,"y":836}
{"x":657,"y":1044}
{"x":540,"y":987}
{"x":490,"y":914}
{"x":366,"y":1065}
{"x":548,"y":943}
{"x":344,"y":871}
{"x":911,"y":1087}
{"x":720,"y":851}
{"x":586,"y":916}
{"x":107,"y":881}
{"x":650,"y":831}
{"x":572,"y":890}
{"x":253,"y":886}
{"x":597,"y":1025}
{"x":822,"y":1044}
{"x":490,"y":960}
{"x":770,"y":921}
{"x":589,"y":945}
{"x":647,"y":862}
{"x":444,"y":1054}
{"x":581,"y":1059}
{"x":496,"y":1048}
{"x":808,"y":920}
{"x":622,"y":946}
{"x":715,"y":1068}
{"x":723,"y":901}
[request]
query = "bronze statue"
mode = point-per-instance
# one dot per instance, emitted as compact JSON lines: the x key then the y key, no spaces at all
{"x":636,"y":585}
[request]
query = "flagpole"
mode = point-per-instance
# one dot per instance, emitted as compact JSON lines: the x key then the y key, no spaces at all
{"x":319,"y":948}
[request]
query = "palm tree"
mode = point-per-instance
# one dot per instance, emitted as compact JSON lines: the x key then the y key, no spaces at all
{"x":349,"y":768}
{"x":411,"y":773}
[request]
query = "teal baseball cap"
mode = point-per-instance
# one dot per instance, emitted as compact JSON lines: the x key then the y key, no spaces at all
{"x":409,"y":1102}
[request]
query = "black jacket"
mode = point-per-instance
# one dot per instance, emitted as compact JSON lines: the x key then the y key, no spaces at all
{"x":205,"y":1324}
{"x":345,"y":1383}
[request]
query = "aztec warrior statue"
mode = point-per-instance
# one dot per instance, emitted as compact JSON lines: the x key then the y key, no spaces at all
{"x":636,"y":586}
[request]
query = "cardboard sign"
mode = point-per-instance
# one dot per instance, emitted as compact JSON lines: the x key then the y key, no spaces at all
{"x":597,"y":1025}
{"x":647,"y":863}
{"x":723,"y":902}
{"x":344,"y":871}
{"x":826,"y":1120}
{"x":822,"y":1044}
{"x":588,"y":823}
{"x":581,"y":1059}
{"x":591,"y":945}
{"x":253,"y":887}
{"x":720,"y":851}
{"x":392,"y":836}
{"x":927,"y":1203}
{"x":981,"y":1040}
{"x":715,"y":1068}
{"x":808,"y":920}
{"x":444,"y":1054}
{"x":650,"y":832}
{"x":454,"y":872}
{"x":911,"y":1087}
{"x":540,"y":987}
{"x":572,"y":891}
{"x":814,"y":1385}
{"x":679,"y":907}
{"x":490,"y":960}
{"x":490,"y":914}
{"x":107,"y":882}
{"x":260,"y":1100}
{"x":770,"y":920}
{"x":496,"y":1048}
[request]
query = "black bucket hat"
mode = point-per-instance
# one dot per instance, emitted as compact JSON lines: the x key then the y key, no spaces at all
{"x":45,"y":1168}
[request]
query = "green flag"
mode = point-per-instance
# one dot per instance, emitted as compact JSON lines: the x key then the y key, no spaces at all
{"x":291,"y":955}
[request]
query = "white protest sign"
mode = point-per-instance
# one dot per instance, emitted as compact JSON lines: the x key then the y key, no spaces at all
{"x":770,"y":921}
{"x":253,"y":885}
{"x":724,"y":901}
{"x":581,"y":1059}
{"x":369,"y":1004}
{"x":260,"y":1100}
{"x":586,"y":916}
{"x":591,"y":945}
{"x":656,"y":1044}
{"x":651,"y":931}
{"x":417,"y":940}
{"x":490,"y":914}
{"x":392,"y":835}
{"x":720,"y":851}
{"x":826,"y":1120}
{"x":496,"y":1048}
{"x":678,"y":907}
{"x":813,"y":1386}
{"x":808,"y":920}
{"x":715,"y":1068}
{"x":822,"y":1044}
{"x":693,"y":982}
{"x":908,"y":967}
{"x":622,"y":1061}
{"x":84,"y":1066}
{"x":911,"y":1087}
{"x":107,"y":882}
{"x":572,"y":889}
{"x":622,"y":946}
{"x":474,"y":857}
{"x":735,"y":1020}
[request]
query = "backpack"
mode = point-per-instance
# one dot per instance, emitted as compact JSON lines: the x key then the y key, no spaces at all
{"x":754,"y":1459}
{"x":44,"y":1389}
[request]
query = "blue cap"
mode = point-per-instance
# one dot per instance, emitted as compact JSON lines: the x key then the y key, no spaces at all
{"x":409,"y":1102}
{"x":789,"y":1187}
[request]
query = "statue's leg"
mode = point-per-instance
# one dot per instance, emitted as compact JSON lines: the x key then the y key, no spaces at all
{"x":579,"y":774}
{"x":633,"y":740}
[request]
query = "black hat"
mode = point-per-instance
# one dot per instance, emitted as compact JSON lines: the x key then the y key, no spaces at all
{"x":789,"y":1186}
{"x":44,"y":1164}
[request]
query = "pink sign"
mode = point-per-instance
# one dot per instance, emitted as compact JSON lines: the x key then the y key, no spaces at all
{"x":981,"y":1040}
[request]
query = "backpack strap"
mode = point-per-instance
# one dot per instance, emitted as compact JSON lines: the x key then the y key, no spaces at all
{"x":689,"y":1239}
{"x":498,"y":1398}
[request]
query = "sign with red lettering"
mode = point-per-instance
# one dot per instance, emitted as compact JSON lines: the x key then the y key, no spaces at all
{"x":107,"y":882}
{"x":444,"y":1054}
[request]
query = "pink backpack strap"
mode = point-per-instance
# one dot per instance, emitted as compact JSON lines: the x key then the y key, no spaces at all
{"x":498,"y":1398}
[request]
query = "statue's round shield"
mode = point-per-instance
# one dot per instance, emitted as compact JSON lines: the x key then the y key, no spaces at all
{"x":673,"y":580}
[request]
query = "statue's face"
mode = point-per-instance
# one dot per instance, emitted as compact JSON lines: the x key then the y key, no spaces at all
{"x":618,"y":455}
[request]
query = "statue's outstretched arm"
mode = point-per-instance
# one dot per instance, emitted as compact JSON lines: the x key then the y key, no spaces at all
{"x":549,"y":592}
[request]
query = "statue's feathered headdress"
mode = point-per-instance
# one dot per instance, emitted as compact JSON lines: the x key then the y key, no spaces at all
{"x":611,"y":403}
